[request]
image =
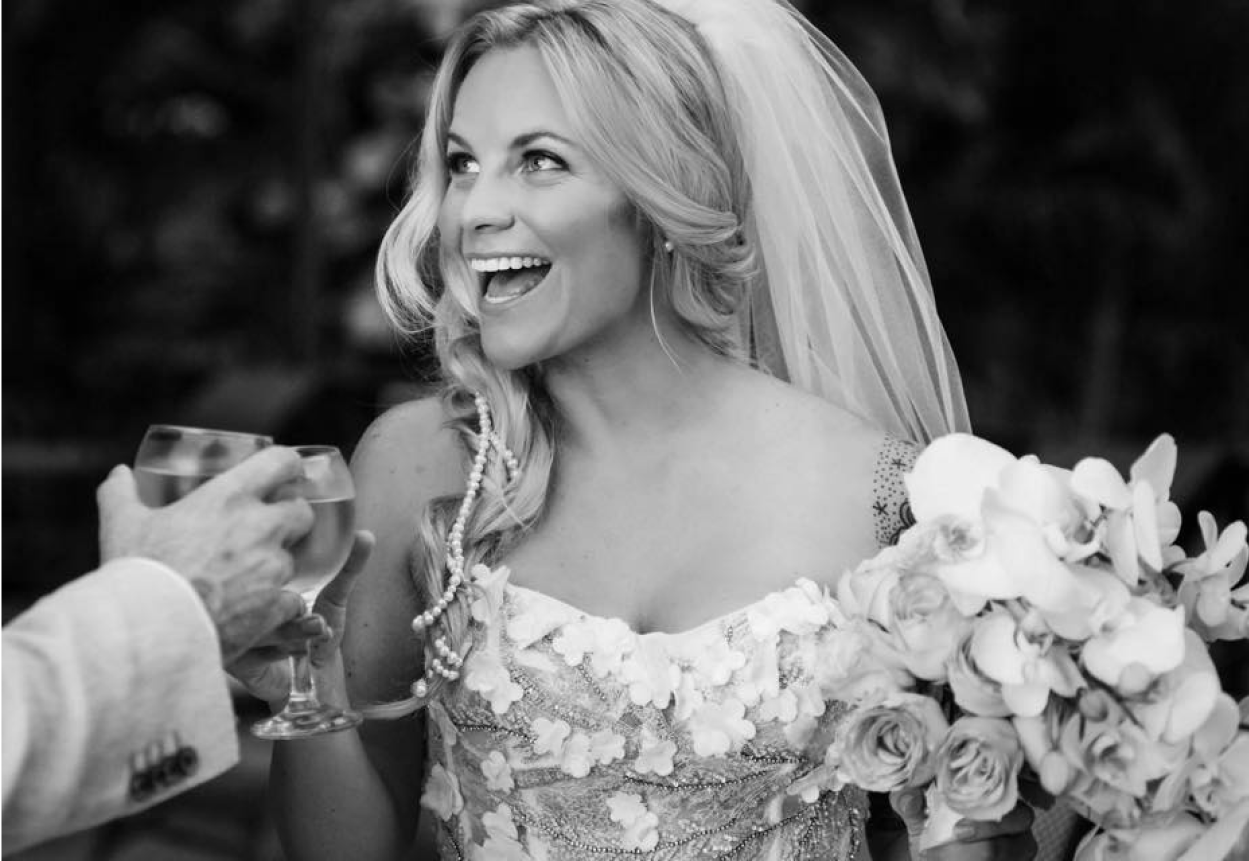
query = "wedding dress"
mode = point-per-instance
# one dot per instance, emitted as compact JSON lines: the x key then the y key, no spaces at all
{"x":572,"y":736}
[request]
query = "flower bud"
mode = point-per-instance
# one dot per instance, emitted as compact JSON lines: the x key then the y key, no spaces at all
{"x":1055,"y":773}
{"x":1035,"y":631}
{"x":1095,"y":705}
{"x":1134,"y":679}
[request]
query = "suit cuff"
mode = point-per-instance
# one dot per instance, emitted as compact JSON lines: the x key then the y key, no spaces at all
{"x":178,"y":642}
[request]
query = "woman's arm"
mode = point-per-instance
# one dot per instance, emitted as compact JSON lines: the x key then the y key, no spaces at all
{"x":356,"y":794}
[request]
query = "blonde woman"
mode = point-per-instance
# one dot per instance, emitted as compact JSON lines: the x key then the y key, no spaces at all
{"x":689,"y":347}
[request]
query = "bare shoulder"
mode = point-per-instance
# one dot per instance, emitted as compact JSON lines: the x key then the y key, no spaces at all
{"x":816,"y":464}
{"x":409,"y":452}
{"x":791,"y":423}
{"x":406,"y":458}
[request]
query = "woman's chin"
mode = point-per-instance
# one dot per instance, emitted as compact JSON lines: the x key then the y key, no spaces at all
{"x":510,"y":350}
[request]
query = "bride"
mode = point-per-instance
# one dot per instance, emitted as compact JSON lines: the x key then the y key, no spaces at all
{"x":689,"y":348}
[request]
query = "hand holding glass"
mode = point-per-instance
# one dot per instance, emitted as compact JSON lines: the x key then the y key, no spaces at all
{"x":318,"y":556}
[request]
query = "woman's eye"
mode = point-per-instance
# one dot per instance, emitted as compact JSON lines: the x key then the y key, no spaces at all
{"x":540,"y":161}
{"x":460,"y":163}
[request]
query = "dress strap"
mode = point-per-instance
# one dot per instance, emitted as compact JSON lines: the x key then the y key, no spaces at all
{"x":891,"y":510}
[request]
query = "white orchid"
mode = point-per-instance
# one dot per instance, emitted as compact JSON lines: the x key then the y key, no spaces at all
{"x":1141,"y":523}
{"x":1215,"y":609}
{"x":1146,"y":640}
{"x":1026,"y":663}
{"x":950,"y":476}
{"x":1003,"y":528}
{"x":1175,"y":705}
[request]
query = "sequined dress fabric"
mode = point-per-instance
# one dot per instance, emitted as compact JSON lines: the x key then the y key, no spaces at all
{"x":573,"y":737}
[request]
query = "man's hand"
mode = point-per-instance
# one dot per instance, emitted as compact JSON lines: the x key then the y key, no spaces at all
{"x":263,"y":670}
{"x":225,"y":537}
{"x":1009,"y":839}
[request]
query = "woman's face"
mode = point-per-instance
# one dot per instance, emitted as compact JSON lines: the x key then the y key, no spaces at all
{"x":555,"y":246}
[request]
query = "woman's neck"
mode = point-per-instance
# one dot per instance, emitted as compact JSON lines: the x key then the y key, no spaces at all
{"x":621,"y":398}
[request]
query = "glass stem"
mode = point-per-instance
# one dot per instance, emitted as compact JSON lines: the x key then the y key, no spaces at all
{"x":303,"y":695}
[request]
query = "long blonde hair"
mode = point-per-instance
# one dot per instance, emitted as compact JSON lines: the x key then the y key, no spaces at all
{"x":644,"y":98}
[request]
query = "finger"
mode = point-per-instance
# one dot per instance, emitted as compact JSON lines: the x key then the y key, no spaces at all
{"x":909,"y":804}
{"x":322,"y":650}
{"x":294,"y":518}
{"x":258,"y":655}
{"x":287,"y":607}
{"x":265,"y":675}
{"x":294,"y":633}
{"x":118,"y":491}
{"x":263,"y":472}
{"x":286,"y":490}
{"x":1017,"y":821}
{"x":1017,"y":847}
{"x":332,"y":602}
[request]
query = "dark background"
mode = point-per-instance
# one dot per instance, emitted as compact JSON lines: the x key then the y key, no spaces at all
{"x":194,"y":191}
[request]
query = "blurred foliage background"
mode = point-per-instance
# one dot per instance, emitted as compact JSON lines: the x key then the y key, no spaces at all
{"x":194,"y":191}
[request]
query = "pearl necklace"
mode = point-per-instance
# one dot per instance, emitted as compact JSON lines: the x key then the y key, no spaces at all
{"x":447,"y":662}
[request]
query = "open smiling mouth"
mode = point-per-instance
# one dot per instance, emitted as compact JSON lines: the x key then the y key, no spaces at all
{"x":506,"y":279}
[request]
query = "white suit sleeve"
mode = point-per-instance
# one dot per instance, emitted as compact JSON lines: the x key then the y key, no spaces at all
{"x":114,"y":699}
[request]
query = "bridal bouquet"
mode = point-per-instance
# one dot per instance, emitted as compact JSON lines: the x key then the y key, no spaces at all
{"x":1070,"y":630}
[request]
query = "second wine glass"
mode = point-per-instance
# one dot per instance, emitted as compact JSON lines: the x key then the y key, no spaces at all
{"x":318,"y":556}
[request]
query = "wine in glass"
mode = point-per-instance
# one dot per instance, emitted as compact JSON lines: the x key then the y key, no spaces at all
{"x":318,"y":556}
{"x":174,"y":460}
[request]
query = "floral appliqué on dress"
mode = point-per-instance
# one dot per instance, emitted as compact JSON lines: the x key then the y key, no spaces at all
{"x":574,"y":737}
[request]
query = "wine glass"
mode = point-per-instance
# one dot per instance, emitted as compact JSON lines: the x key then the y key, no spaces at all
{"x":318,"y":556}
{"x":174,"y":460}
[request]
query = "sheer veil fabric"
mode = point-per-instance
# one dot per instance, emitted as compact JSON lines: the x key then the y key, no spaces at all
{"x":845,"y":309}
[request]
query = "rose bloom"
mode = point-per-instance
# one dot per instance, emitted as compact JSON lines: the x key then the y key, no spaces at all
{"x":927,"y":627}
{"x":891,"y":744}
{"x":859,"y":661}
{"x":864,"y":592}
{"x":978,"y":766}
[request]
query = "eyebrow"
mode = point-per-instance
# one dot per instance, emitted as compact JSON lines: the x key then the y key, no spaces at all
{"x":520,"y":141}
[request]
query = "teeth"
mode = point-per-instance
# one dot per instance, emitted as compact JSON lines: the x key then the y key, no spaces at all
{"x":495,"y":264}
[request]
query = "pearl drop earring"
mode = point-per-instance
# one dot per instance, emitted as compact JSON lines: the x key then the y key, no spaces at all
{"x":668,"y":245}
{"x":447,"y":661}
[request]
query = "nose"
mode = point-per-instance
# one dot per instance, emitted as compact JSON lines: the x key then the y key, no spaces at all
{"x":487,"y":206}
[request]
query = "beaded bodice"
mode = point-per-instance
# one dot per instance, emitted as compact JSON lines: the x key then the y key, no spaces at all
{"x":570,"y":736}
